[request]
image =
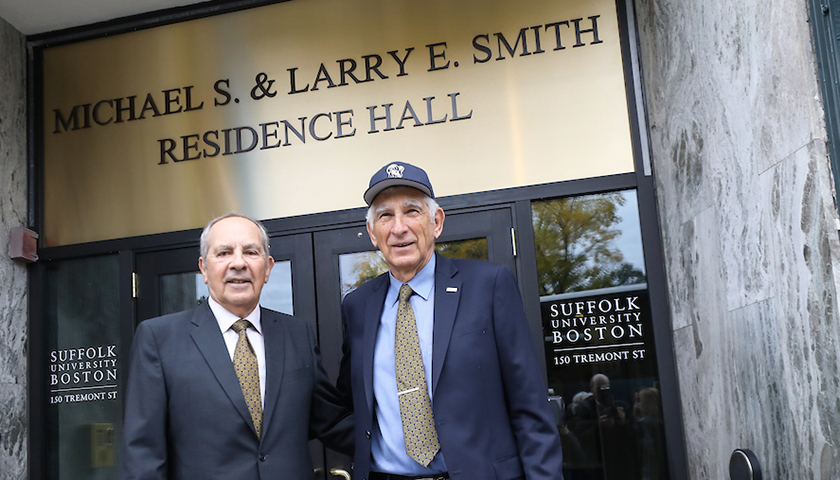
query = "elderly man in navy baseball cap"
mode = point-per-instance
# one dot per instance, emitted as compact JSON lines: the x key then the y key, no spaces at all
{"x":403,"y":219}
{"x":438,"y":359}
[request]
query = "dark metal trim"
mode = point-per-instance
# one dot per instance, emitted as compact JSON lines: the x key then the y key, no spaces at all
{"x":127,"y":317}
{"x":38,"y":368}
{"x":526,"y":275}
{"x":34,"y":135}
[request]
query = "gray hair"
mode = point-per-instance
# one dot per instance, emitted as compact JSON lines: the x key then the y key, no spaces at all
{"x":430,"y":202}
{"x":204,"y":242}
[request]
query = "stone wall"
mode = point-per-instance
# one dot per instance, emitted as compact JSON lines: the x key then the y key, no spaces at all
{"x":14,"y":419}
{"x":748,"y":212}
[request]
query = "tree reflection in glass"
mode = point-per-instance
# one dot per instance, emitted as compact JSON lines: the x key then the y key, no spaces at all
{"x":587,"y":242}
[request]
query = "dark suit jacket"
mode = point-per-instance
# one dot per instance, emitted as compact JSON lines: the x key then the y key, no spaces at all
{"x":489,"y":398}
{"x":186,"y":417}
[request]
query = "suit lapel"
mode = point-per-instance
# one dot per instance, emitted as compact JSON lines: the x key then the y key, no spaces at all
{"x":373,"y":314}
{"x":447,"y":296}
{"x":274,"y":336}
{"x":208,"y":338}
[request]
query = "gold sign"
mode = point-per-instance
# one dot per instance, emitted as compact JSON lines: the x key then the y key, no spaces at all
{"x":288,"y":109}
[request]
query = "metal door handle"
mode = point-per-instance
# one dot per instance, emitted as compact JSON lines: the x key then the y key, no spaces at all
{"x":340,"y":473}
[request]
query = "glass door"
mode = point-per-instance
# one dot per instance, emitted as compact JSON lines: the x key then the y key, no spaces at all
{"x":598,"y":326}
{"x":85,"y":359}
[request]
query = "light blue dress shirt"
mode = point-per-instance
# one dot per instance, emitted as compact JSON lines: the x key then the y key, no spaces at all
{"x":388,"y":445}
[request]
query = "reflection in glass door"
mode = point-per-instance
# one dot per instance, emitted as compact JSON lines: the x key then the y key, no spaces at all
{"x":598,"y":330}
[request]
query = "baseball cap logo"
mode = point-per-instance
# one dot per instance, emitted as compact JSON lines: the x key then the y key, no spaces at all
{"x":395,"y":171}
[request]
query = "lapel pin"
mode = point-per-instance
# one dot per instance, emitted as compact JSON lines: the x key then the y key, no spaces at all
{"x":451,"y":289}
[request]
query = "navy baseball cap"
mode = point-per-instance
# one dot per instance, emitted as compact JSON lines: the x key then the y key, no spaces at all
{"x":398,"y":174}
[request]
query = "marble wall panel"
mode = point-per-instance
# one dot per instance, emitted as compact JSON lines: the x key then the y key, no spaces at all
{"x":702,"y":359}
{"x":714,"y":70}
{"x":695,"y":296}
{"x":14,"y":432}
{"x":747,"y":209}
{"x":807,"y":255}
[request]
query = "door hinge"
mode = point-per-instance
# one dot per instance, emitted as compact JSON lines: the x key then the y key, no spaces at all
{"x":135,"y":285}
{"x":513,"y":240}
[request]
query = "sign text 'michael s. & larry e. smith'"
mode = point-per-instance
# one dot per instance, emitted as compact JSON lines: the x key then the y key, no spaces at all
{"x":341,"y":122}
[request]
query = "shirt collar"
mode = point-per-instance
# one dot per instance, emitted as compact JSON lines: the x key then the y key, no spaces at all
{"x":227,"y":319}
{"x":423,"y":283}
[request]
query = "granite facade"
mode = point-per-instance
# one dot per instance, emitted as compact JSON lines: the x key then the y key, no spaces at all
{"x":14,"y":422}
{"x":748,"y":215}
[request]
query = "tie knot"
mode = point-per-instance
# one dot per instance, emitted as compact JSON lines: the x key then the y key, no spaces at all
{"x":240,"y":325}
{"x":405,"y":292}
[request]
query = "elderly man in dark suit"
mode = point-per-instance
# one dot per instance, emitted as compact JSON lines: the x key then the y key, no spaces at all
{"x":228,"y":390}
{"x":438,"y":361}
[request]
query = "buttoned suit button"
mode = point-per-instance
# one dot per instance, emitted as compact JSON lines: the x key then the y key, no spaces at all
{"x":262,"y":458}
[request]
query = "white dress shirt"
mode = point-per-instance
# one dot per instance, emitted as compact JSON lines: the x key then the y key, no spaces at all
{"x":225,"y":320}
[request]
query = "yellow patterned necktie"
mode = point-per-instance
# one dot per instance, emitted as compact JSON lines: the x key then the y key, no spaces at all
{"x":245,"y":363}
{"x":418,"y":423}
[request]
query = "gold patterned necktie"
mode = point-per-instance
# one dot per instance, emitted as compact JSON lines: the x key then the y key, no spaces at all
{"x":245,"y":363}
{"x":418,"y":423}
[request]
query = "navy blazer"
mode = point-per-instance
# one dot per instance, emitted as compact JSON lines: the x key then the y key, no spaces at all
{"x":489,"y":398}
{"x":186,"y":417}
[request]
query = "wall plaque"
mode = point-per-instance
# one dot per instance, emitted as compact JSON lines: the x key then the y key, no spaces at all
{"x":287,"y":109}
